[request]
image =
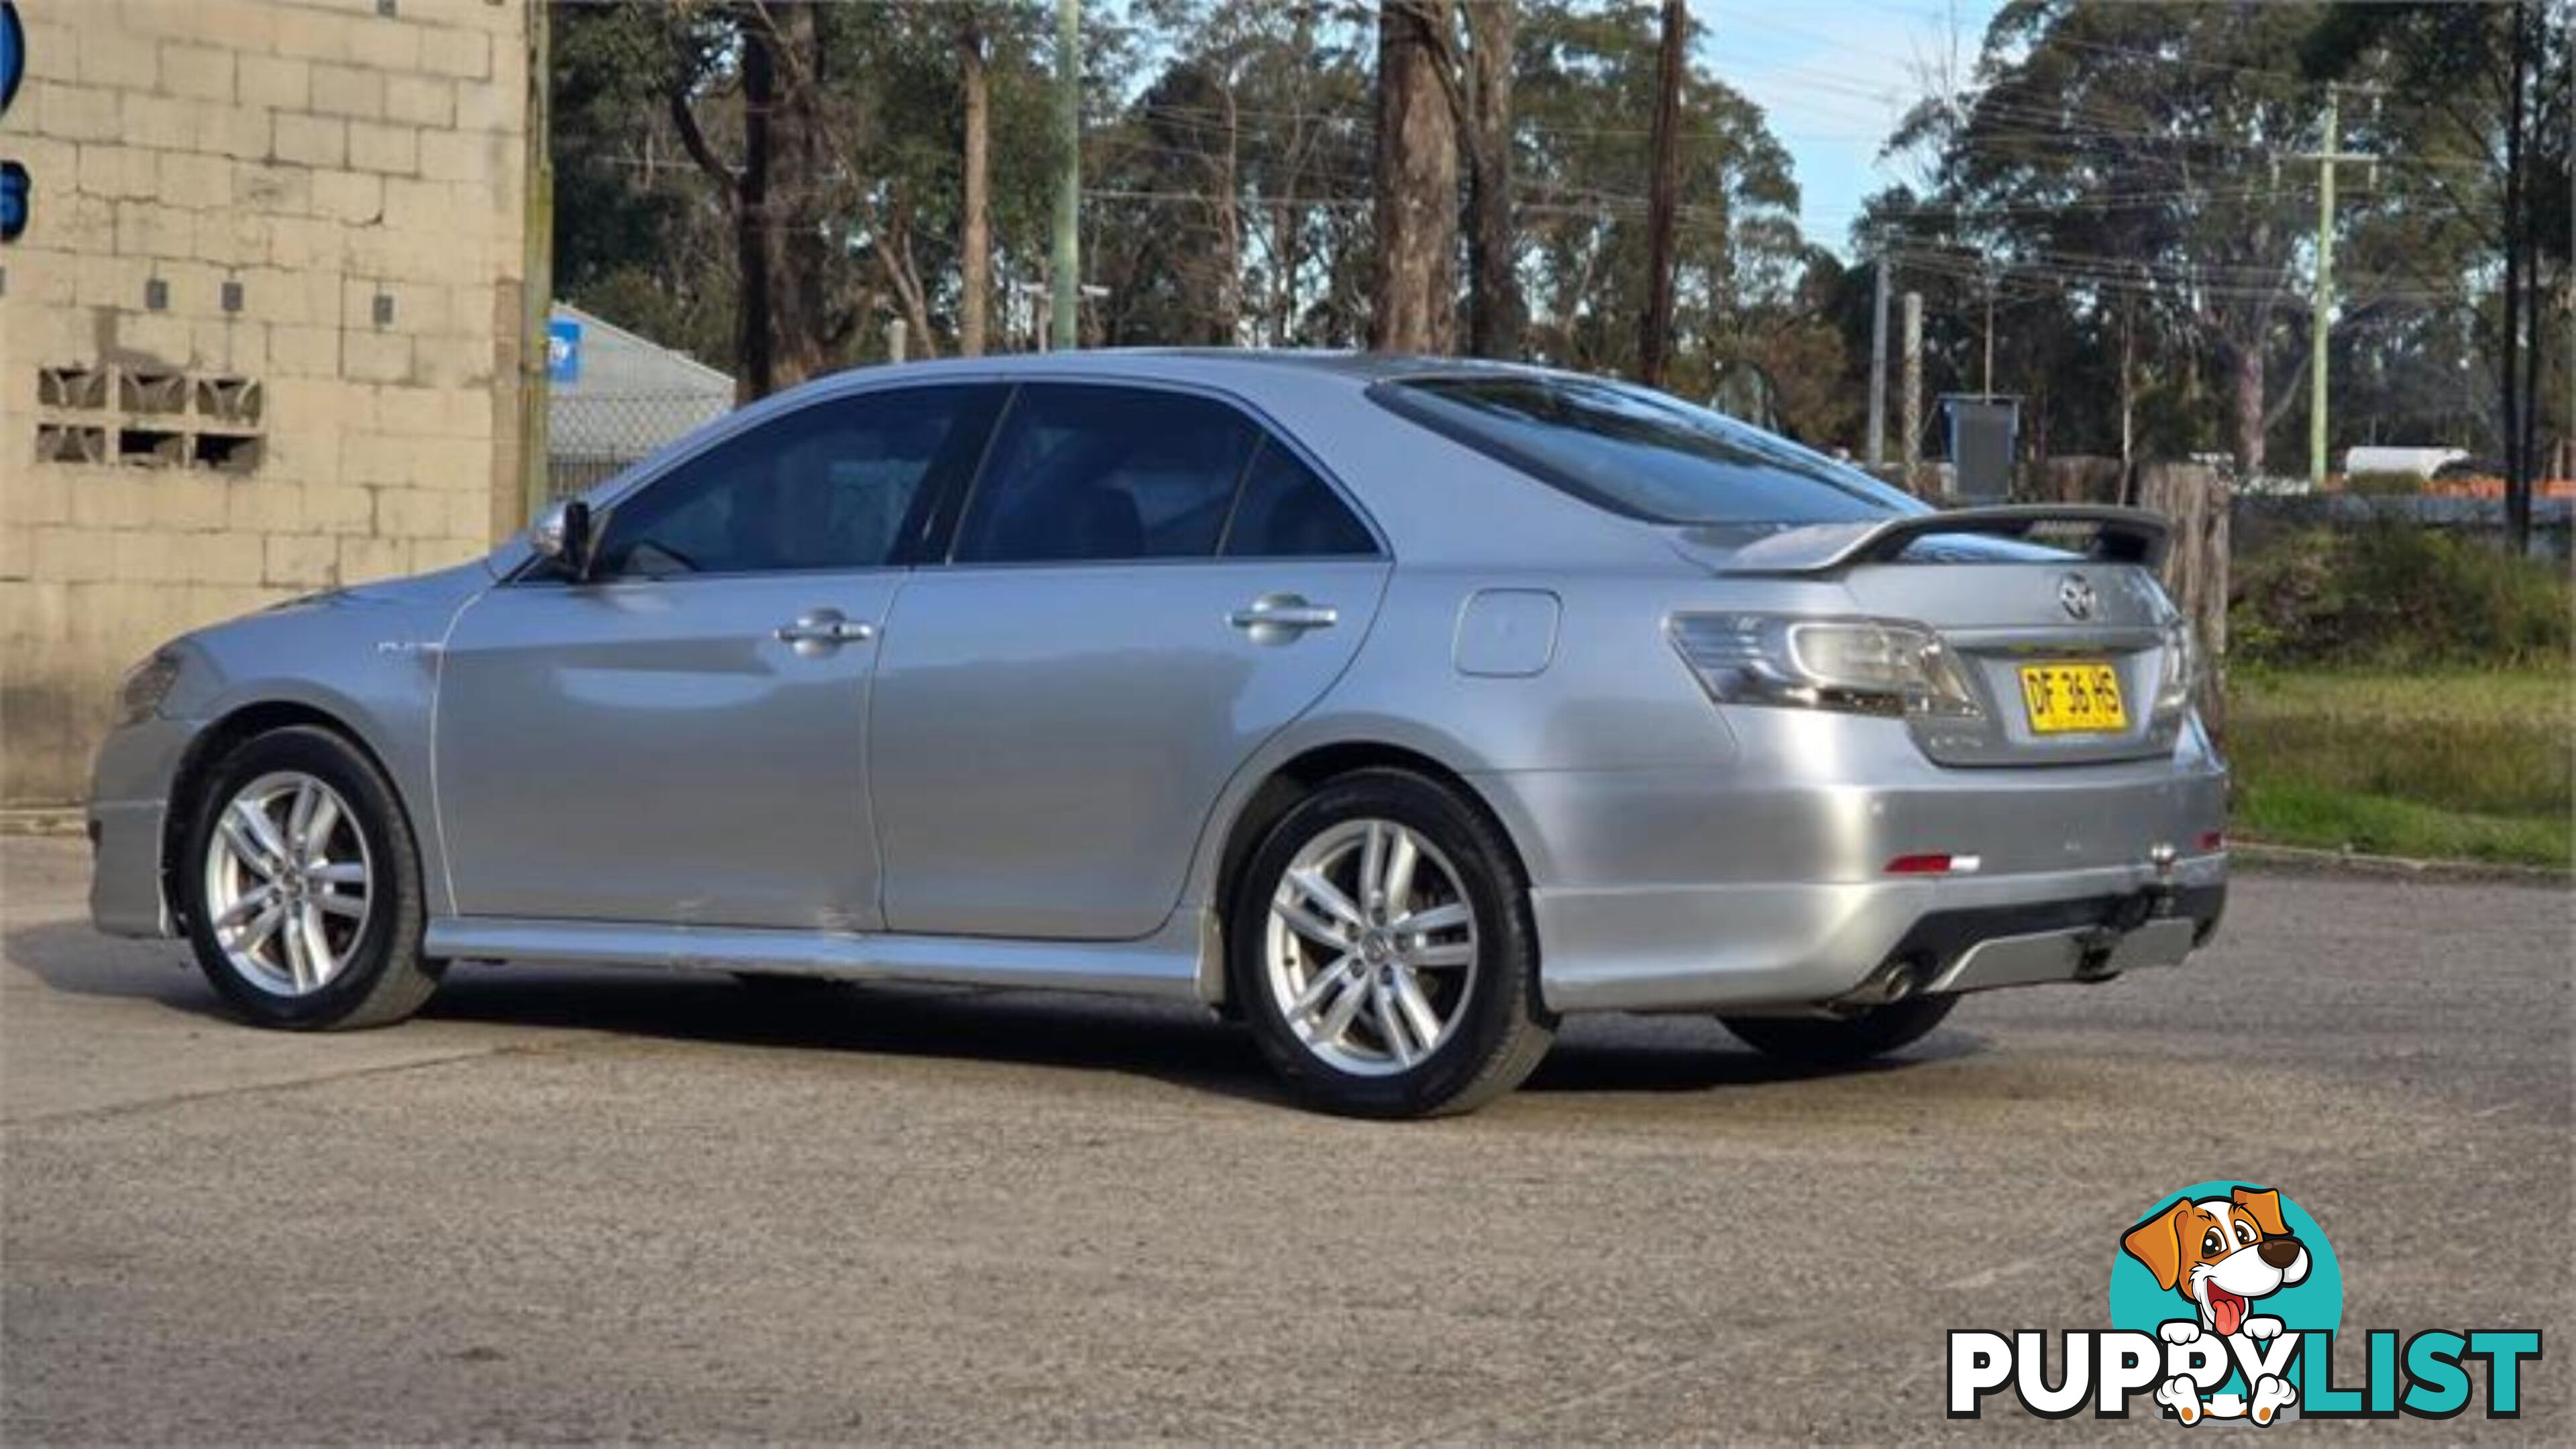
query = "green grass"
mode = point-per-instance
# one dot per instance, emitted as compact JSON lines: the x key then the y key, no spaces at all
{"x":2474,"y":765}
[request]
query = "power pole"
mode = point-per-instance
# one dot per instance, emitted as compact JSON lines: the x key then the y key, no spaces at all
{"x":1912,"y":451}
{"x":1663,"y":196}
{"x":1878,"y":366}
{"x":1989,"y":388}
{"x":1067,"y":331}
{"x":2320,"y":320}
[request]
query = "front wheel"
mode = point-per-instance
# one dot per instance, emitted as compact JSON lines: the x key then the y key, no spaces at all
{"x":1381,"y":948}
{"x":302,"y":886}
{"x":1839,"y":1041}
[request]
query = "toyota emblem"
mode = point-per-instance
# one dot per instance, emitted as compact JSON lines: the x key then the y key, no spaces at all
{"x":2075,"y":594}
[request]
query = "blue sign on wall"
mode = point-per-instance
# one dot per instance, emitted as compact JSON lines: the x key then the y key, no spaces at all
{"x":563,"y":350}
{"x":15,"y":188}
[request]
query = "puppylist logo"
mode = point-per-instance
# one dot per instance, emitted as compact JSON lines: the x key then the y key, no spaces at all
{"x":2226,"y":1302}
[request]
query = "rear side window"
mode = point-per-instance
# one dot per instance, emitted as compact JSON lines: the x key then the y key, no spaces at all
{"x":1084,"y":473}
{"x":1288,"y":512}
{"x":1641,"y":453}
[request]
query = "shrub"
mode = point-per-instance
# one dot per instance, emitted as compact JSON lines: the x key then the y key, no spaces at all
{"x":2384,"y":485}
{"x":2396,"y":595}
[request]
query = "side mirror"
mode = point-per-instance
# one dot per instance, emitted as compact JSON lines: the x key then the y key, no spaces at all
{"x":563,"y":533}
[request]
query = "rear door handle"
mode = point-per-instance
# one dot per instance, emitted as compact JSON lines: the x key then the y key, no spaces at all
{"x":1279,"y":618}
{"x":824,"y":629}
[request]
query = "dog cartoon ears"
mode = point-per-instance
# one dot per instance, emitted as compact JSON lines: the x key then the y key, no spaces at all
{"x":2264,"y":1205}
{"x":2157,"y":1242}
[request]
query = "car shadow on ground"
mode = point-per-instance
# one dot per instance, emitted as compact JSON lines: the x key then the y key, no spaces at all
{"x":1170,"y":1042}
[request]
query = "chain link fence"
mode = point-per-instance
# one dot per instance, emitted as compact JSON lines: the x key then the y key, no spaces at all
{"x":593,"y":437}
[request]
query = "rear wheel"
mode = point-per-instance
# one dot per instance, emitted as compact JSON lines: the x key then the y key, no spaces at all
{"x":1381,"y":948}
{"x":302,"y":886}
{"x":1822,"y":1041}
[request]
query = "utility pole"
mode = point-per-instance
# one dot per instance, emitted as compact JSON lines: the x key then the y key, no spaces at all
{"x":2320,"y":320}
{"x":1878,"y":365}
{"x":1663,"y":198}
{"x":1912,"y":449}
{"x":1989,"y":388}
{"x":1067,"y":331}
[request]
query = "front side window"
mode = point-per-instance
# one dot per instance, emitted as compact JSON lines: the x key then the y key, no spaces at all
{"x":1639,"y":452}
{"x":835,"y":485}
{"x":1100,"y":474}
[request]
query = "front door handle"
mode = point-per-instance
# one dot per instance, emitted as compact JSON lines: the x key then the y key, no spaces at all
{"x":823,"y":630}
{"x":1281,"y":618}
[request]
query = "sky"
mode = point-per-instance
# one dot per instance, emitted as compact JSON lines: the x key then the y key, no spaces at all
{"x":1834,"y":77}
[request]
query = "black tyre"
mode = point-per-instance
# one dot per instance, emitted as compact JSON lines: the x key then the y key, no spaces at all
{"x":301,"y":885}
{"x":1380,"y":946}
{"x":1818,"y":1041}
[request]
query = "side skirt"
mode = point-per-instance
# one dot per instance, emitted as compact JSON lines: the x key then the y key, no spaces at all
{"x":1179,"y":962}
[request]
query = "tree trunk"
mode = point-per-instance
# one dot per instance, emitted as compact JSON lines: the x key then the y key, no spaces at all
{"x":1494,"y":306}
{"x":2248,"y":365}
{"x":799,"y":251}
{"x":754,"y":373}
{"x":1417,"y":181}
{"x":1663,"y":197}
{"x":2195,"y":500}
{"x":2518,"y":261}
{"x":975,"y":244}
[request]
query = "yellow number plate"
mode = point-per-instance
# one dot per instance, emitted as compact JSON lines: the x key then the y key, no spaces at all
{"x":2072,"y":698}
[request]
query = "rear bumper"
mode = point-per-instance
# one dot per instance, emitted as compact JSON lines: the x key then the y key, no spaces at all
{"x":1766,"y":883}
{"x":1685,"y":948}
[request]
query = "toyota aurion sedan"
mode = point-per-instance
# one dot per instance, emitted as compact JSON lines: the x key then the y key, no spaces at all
{"x":1393,"y":706}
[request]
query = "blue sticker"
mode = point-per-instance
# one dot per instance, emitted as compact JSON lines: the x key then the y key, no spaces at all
{"x":563,"y":350}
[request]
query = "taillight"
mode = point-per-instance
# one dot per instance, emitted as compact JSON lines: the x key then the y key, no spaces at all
{"x":1860,"y":666}
{"x":2180,"y":670}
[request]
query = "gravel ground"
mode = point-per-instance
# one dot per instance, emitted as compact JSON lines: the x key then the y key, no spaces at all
{"x":590,"y":1205}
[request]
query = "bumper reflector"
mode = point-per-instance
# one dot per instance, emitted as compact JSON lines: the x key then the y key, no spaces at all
{"x":1934,"y":865}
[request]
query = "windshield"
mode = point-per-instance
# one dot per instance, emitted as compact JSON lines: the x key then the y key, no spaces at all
{"x":1641,"y":453}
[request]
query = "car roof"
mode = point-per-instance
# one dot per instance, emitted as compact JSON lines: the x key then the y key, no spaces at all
{"x":1242,"y":365}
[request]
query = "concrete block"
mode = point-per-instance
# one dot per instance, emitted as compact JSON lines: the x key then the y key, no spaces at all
{"x":202,"y":72}
{"x":113,"y":171}
{"x":299,"y":560}
{"x":304,"y":351}
{"x":385,"y":43}
{"x":281,"y":83}
{"x":311,"y":140}
{"x":364,"y":559}
{"x":71,"y":113}
{"x":420,"y":100}
{"x":390,"y":149}
{"x":195,"y":182}
{"x":355,"y":197}
{"x":470,"y":157}
{"x":340,"y":90}
{"x":464,"y":54}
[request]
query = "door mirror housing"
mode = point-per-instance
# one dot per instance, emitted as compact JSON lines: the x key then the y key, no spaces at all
{"x":563,"y":534}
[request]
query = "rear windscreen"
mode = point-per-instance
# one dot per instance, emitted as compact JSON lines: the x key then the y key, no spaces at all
{"x":1641,"y":453}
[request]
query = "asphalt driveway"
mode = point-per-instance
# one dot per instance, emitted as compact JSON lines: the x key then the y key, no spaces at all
{"x":589,"y":1205}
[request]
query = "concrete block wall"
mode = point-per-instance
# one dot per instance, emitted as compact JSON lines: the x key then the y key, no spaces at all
{"x":355,"y":171}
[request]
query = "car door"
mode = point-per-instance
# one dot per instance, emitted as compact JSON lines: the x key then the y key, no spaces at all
{"x":1144,"y":584}
{"x":681,"y":737}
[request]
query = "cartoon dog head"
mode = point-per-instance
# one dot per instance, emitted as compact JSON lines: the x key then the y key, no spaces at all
{"x":2221,"y":1252}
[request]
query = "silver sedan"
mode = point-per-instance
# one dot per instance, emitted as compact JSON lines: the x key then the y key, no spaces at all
{"x":1393,"y":706}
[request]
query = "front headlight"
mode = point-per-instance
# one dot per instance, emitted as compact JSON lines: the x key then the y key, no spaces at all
{"x":2180,"y":673}
{"x":145,"y":686}
{"x":1862,"y":666}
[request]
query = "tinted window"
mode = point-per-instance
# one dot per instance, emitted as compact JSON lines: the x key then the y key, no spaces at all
{"x":830,"y":486}
{"x":1642,"y":453}
{"x":1102,"y":473}
{"x":1288,"y":512}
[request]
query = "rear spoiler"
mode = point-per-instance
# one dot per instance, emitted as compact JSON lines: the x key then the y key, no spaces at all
{"x":2117,"y":535}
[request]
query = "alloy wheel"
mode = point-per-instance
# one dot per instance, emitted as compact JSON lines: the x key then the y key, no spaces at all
{"x":1370,"y":947}
{"x":289,"y":883}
